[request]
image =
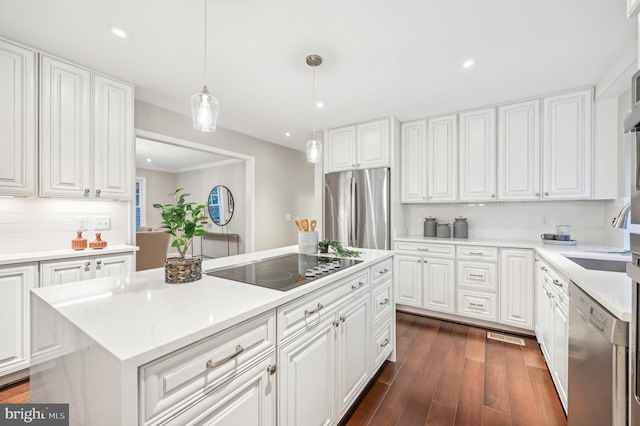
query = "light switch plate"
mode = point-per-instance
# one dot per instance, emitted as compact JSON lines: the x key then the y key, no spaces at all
{"x":103,"y":223}
{"x":81,"y":223}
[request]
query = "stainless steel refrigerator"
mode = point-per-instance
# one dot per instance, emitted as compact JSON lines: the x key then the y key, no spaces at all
{"x":356,"y":208}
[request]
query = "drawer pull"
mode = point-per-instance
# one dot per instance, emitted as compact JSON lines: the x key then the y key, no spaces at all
{"x":476,"y":306}
{"x":476,"y":275}
{"x":385,"y":343}
{"x":343,"y":318}
{"x":558,"y":283}
{"x":543,"y":268}
{"x":384,"y":271}
{"x":423,"y":249}
{"x":313,"y":311}
{"x":385,"y":301}
{"x":336,"y":323}
{"x":211,"y":364}
{"x":355,"y":287}
{"x":475,"y":253}
{"x":271,"y":369}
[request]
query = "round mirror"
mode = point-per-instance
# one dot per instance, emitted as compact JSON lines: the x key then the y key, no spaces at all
{"x":220,"y":205}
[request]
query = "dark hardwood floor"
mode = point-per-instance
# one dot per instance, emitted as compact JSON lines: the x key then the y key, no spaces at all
{"x":451,"y":374}
{"x":445,"y":374}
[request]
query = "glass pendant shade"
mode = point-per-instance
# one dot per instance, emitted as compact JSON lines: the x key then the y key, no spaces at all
{"x":205,"y":109}
{"x":314,"y":151}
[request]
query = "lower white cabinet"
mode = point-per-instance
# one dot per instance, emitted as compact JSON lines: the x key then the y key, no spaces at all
{"x":408,"y":280}
{"x":83,"y":268}
{"x":15,"y":283}
{"x":516,"y":288}
{"x":438,"y":284}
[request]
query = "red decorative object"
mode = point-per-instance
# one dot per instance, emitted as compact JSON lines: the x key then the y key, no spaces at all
{"x":79,"y":243}
{"x":97,"y":243}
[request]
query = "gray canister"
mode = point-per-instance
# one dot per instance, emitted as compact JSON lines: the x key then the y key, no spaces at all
{"x":460,"y":227}
{"x":443,"y":230}
{"x":429,"y":226}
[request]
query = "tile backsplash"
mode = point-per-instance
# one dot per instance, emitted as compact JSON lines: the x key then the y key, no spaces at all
{"x":590,"y":220}
{"x":36,"y":224}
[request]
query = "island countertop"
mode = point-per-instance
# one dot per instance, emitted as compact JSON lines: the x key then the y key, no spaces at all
{"x":138,"y":317}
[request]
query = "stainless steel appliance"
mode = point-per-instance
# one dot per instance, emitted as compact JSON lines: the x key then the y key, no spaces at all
{"x":284,"y":272}
{"x":356,"y":208}
{"x":597,"y":363}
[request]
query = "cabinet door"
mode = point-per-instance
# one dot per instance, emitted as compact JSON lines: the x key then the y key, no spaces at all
{"x":65,"y":129}
{"x":353,"y":358}
{"x":413,"y":158}
{"x":306,"y":371}
{"x":408,"y":280}
{"x":567,"y":146}
{"x":544,"y":312}
{"x":109,"y":266}
{"x":519,"y":151}
{"x":438,"y":285}
{"x":560,"y":351}
{"x":113,"y":139}
{"x":341,"y":149}
{"x":65,"y":271}
{"x":516,"y":288}
{"x":478,"y":155}
{"x":15,"y":284}
{"x":17,"y":120}
{"x":372,"y":144}
{"x":443,"y":159}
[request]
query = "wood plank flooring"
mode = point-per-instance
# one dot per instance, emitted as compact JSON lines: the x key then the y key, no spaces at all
{"x":451,"y":374}
{"x":445,"y":374}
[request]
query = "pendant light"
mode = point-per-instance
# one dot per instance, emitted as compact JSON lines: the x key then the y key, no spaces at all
{"x":204,"y":107}
{"x":314,"y":146}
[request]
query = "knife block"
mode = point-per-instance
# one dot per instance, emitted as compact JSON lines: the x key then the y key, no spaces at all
{"x":308,"y":242}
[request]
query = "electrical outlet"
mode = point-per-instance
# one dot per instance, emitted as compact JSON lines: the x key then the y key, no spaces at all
{"x":287,"y":217}
{"x":81,"y":223}
{"x":103,"y":223}
{"x":545,"y":219}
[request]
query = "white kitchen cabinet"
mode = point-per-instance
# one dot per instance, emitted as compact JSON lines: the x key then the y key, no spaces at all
{"x":567,"y":146}
{"x":516,"y":288}
{"x":18,"y":120}
{"x":477,"y":155}
{"x":438,"y":284}
{"x":408,"y":280}
{"x":519,"y":151}
{"x":360,"y":146}
{"x":53,"y":272}
{"x":443,"y":159}
{"x":413,"y":162}
{"x":16,"y":281}
{"x":73,"y":161}
{"x":543,"y":309}
{"x":560,"y":350}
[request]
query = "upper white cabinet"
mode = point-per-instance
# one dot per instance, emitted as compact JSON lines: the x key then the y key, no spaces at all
{"x":73,"y":161}
{"x":477,"y":158}
{"x":360,"y":146}
{"x":413,"y":161}
{"x":17,"y":120}
{"x":443,"y":159}
{"x":567,"y":146}
{"x":519,"y":151}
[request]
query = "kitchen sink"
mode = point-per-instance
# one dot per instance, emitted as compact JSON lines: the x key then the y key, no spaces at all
{"x":600,"y":264}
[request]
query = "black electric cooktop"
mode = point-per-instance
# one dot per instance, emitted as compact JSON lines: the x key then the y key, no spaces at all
{"x":283,"y":272}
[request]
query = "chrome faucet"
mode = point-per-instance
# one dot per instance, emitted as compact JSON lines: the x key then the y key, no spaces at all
{"x":621,"y":220}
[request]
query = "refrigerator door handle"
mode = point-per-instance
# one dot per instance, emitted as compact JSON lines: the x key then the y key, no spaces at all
{"x":354,"y":214}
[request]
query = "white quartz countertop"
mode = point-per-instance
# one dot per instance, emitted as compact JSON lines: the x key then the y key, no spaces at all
{"x":138,"y":317}
{"x":611,"y":289}
{"x":36,"y":256}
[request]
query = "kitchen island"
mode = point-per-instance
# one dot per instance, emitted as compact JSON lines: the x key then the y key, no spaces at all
{"x":133,"y":350}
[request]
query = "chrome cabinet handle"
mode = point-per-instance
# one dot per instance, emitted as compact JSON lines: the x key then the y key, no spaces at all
{"x":384,"y":271}
{"x":271,"y":369}
{"x":98,"y":192}
{"x":99,"y":264}
{"x":313,"y":311}
{"x":546,"y":193}
{"x":336,"y":323}
{"x":355,"y":287}
{"x":86,"y":266}
{"x":419,"y":260}
{"x":543,"y":268}
{"x":212,"y":364}
{"x":385,"y":301}
{"x":493,"y":195}
{"x":86,"y":192}
{"x":385,"y":343}
{"x":343,"y":318}
{"x":423,"y":249}
{"x":476,"y":306}
{"x":476,"y":276}
{"x":537,"y":194}
{"x":475,"y":253}
{"x":558,"y":283}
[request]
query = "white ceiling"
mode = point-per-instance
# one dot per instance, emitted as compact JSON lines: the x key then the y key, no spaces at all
{"x":175,"y":159}
{"x":381,"y":57}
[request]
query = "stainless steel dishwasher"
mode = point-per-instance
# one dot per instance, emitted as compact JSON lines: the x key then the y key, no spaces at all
{"x":598,"y":353}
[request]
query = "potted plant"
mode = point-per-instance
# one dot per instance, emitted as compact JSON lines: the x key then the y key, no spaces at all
{"x":336,"y":248}
{"x":183,"y":221}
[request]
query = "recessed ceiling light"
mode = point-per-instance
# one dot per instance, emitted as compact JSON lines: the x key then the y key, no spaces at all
{"x":118,"y":31}
{"x":148,"y":160}
{"x":320,"y":105}
{"x":287,"y":134}
{"x":469,"y":63}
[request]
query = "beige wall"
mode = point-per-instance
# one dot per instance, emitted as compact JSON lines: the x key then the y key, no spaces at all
{"x":284,"y":181}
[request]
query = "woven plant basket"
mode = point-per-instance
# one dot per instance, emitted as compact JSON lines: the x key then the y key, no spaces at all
{"x":180,"y":271}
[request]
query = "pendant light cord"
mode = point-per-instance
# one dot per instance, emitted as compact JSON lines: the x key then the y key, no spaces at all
{"x":205,"y":43}
{"x":313,"y":105}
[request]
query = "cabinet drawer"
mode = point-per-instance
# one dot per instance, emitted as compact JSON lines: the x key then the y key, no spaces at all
{"x":477,"y":253}
{"x":558,"y":284}
{"x":189,"y":372}
{"x":382,"y":345}
{"x":382,"y":302}
{"x":478,"y":305}
{"x":477,"y":275}
{"x":306,"y":311}
{"x":431,"y":250}
{"x":381,"y":271}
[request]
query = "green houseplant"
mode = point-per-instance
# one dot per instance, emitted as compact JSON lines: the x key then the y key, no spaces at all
{"x":325,"y":245}
{"x":183,"y":221}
